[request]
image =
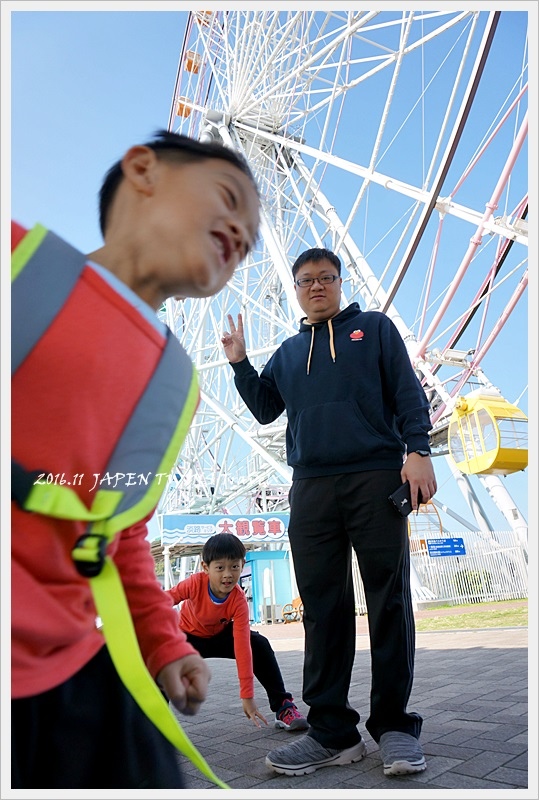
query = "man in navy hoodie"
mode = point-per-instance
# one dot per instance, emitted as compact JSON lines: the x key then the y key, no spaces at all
{"x":358,"y":427}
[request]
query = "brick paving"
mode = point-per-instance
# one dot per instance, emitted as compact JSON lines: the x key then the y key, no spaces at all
{"x":470,"y":687}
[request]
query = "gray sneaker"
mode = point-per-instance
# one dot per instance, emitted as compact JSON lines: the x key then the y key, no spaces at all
{"x":305,"y":755}
{"x":401,"y":753}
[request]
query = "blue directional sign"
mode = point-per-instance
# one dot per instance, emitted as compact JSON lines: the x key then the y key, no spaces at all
{"x":446,"y":547}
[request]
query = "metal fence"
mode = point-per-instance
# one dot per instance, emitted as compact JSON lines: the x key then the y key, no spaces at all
{"x":494,"y":567}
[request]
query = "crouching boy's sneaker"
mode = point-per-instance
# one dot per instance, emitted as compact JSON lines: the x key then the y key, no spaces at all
{"x":305,"y":755}
{"x":289,"y":718}
{"x":401,"y":753}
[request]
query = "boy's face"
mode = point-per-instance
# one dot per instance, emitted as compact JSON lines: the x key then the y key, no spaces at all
{"x":223,"y":574}
{"x":195,"y":223}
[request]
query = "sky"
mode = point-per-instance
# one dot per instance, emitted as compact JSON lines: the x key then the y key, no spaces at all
{"x":87,"y":83}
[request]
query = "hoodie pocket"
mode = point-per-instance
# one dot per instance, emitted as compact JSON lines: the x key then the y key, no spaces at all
{"x":334,"y":433}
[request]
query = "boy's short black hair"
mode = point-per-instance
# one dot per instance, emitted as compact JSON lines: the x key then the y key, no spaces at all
{"x":223,"y":545}
{"x":316,"y":254}
{"x":172,"y":147}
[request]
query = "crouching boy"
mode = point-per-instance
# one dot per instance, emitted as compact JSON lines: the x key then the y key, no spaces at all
{"x":215,"y":617}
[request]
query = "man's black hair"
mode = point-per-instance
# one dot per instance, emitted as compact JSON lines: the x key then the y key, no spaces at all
{"x":316,"y":254}
{"x":172,"y":147}
{"x":223,"y":545}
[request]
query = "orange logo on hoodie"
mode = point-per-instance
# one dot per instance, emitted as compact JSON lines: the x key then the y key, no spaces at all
{"x":357,"y":335}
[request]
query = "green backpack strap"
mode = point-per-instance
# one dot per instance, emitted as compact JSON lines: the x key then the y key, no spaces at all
{"x":58,"y":501}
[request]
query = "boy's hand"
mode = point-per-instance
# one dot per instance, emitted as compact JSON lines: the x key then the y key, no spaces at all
{"x":185,"y":683}
{"x":234,"y":342}
{"x":251,"y":711}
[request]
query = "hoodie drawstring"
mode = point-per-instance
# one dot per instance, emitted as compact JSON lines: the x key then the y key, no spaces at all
{"x":310,"y":350}
{"x":331,"y":345}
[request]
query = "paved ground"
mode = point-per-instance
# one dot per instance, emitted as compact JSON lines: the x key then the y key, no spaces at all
{"x":470,"y":687}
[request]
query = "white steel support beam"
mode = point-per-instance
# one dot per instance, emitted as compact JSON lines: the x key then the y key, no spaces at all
{"x":506,"y":504}
{"x":442,"y":205}
{"x":463,"y":482}
{"x":279,"y":261}
{"x":234,"y":424}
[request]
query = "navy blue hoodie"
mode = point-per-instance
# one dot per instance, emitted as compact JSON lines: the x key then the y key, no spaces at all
{"x":352,"y":398}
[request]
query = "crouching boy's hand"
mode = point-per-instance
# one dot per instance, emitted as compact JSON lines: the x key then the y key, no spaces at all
{"x":251,"y":711}
{"x":185,"y":682}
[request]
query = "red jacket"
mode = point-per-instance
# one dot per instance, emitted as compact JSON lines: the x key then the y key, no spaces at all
{"x":68,"y":409}
{"x":202,"y":617}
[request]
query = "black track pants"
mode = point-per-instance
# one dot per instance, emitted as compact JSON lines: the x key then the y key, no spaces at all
{"x":329,"y":516}
{"x":265,"y":666}
{"x":88,"y":733}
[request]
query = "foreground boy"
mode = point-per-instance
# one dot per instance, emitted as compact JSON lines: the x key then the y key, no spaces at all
{"x":177,"y":217}
{"x":215,"y":616}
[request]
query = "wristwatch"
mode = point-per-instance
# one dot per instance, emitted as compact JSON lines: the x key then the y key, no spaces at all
{"x":421,"y":452}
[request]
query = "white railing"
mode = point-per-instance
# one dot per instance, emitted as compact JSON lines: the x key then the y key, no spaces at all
{"x":495,"y":567}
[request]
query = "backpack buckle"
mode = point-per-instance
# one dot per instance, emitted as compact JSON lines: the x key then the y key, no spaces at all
{"x":89,"y":554}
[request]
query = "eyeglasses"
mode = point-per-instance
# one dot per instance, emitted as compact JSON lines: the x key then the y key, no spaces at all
{"x":322,"y":280}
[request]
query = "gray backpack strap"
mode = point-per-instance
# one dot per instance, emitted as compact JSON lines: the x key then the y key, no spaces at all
{"x":39,"y":291}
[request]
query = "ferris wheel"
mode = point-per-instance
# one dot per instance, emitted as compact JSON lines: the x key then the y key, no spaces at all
{"x":388,"y":138}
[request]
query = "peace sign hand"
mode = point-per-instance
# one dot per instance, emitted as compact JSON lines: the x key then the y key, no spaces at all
{"x":234,"y":342}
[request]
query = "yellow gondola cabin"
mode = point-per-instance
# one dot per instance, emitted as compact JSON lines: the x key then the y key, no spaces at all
{"x":488,"y":435}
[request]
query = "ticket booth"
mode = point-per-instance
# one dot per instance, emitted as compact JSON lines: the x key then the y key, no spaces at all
{"x":267,"y":582}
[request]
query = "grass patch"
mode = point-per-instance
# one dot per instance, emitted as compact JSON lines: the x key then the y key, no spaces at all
{"x":492,"y":618}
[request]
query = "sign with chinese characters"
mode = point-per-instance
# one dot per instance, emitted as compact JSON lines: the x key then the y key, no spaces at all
{"x":195,"y":529}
